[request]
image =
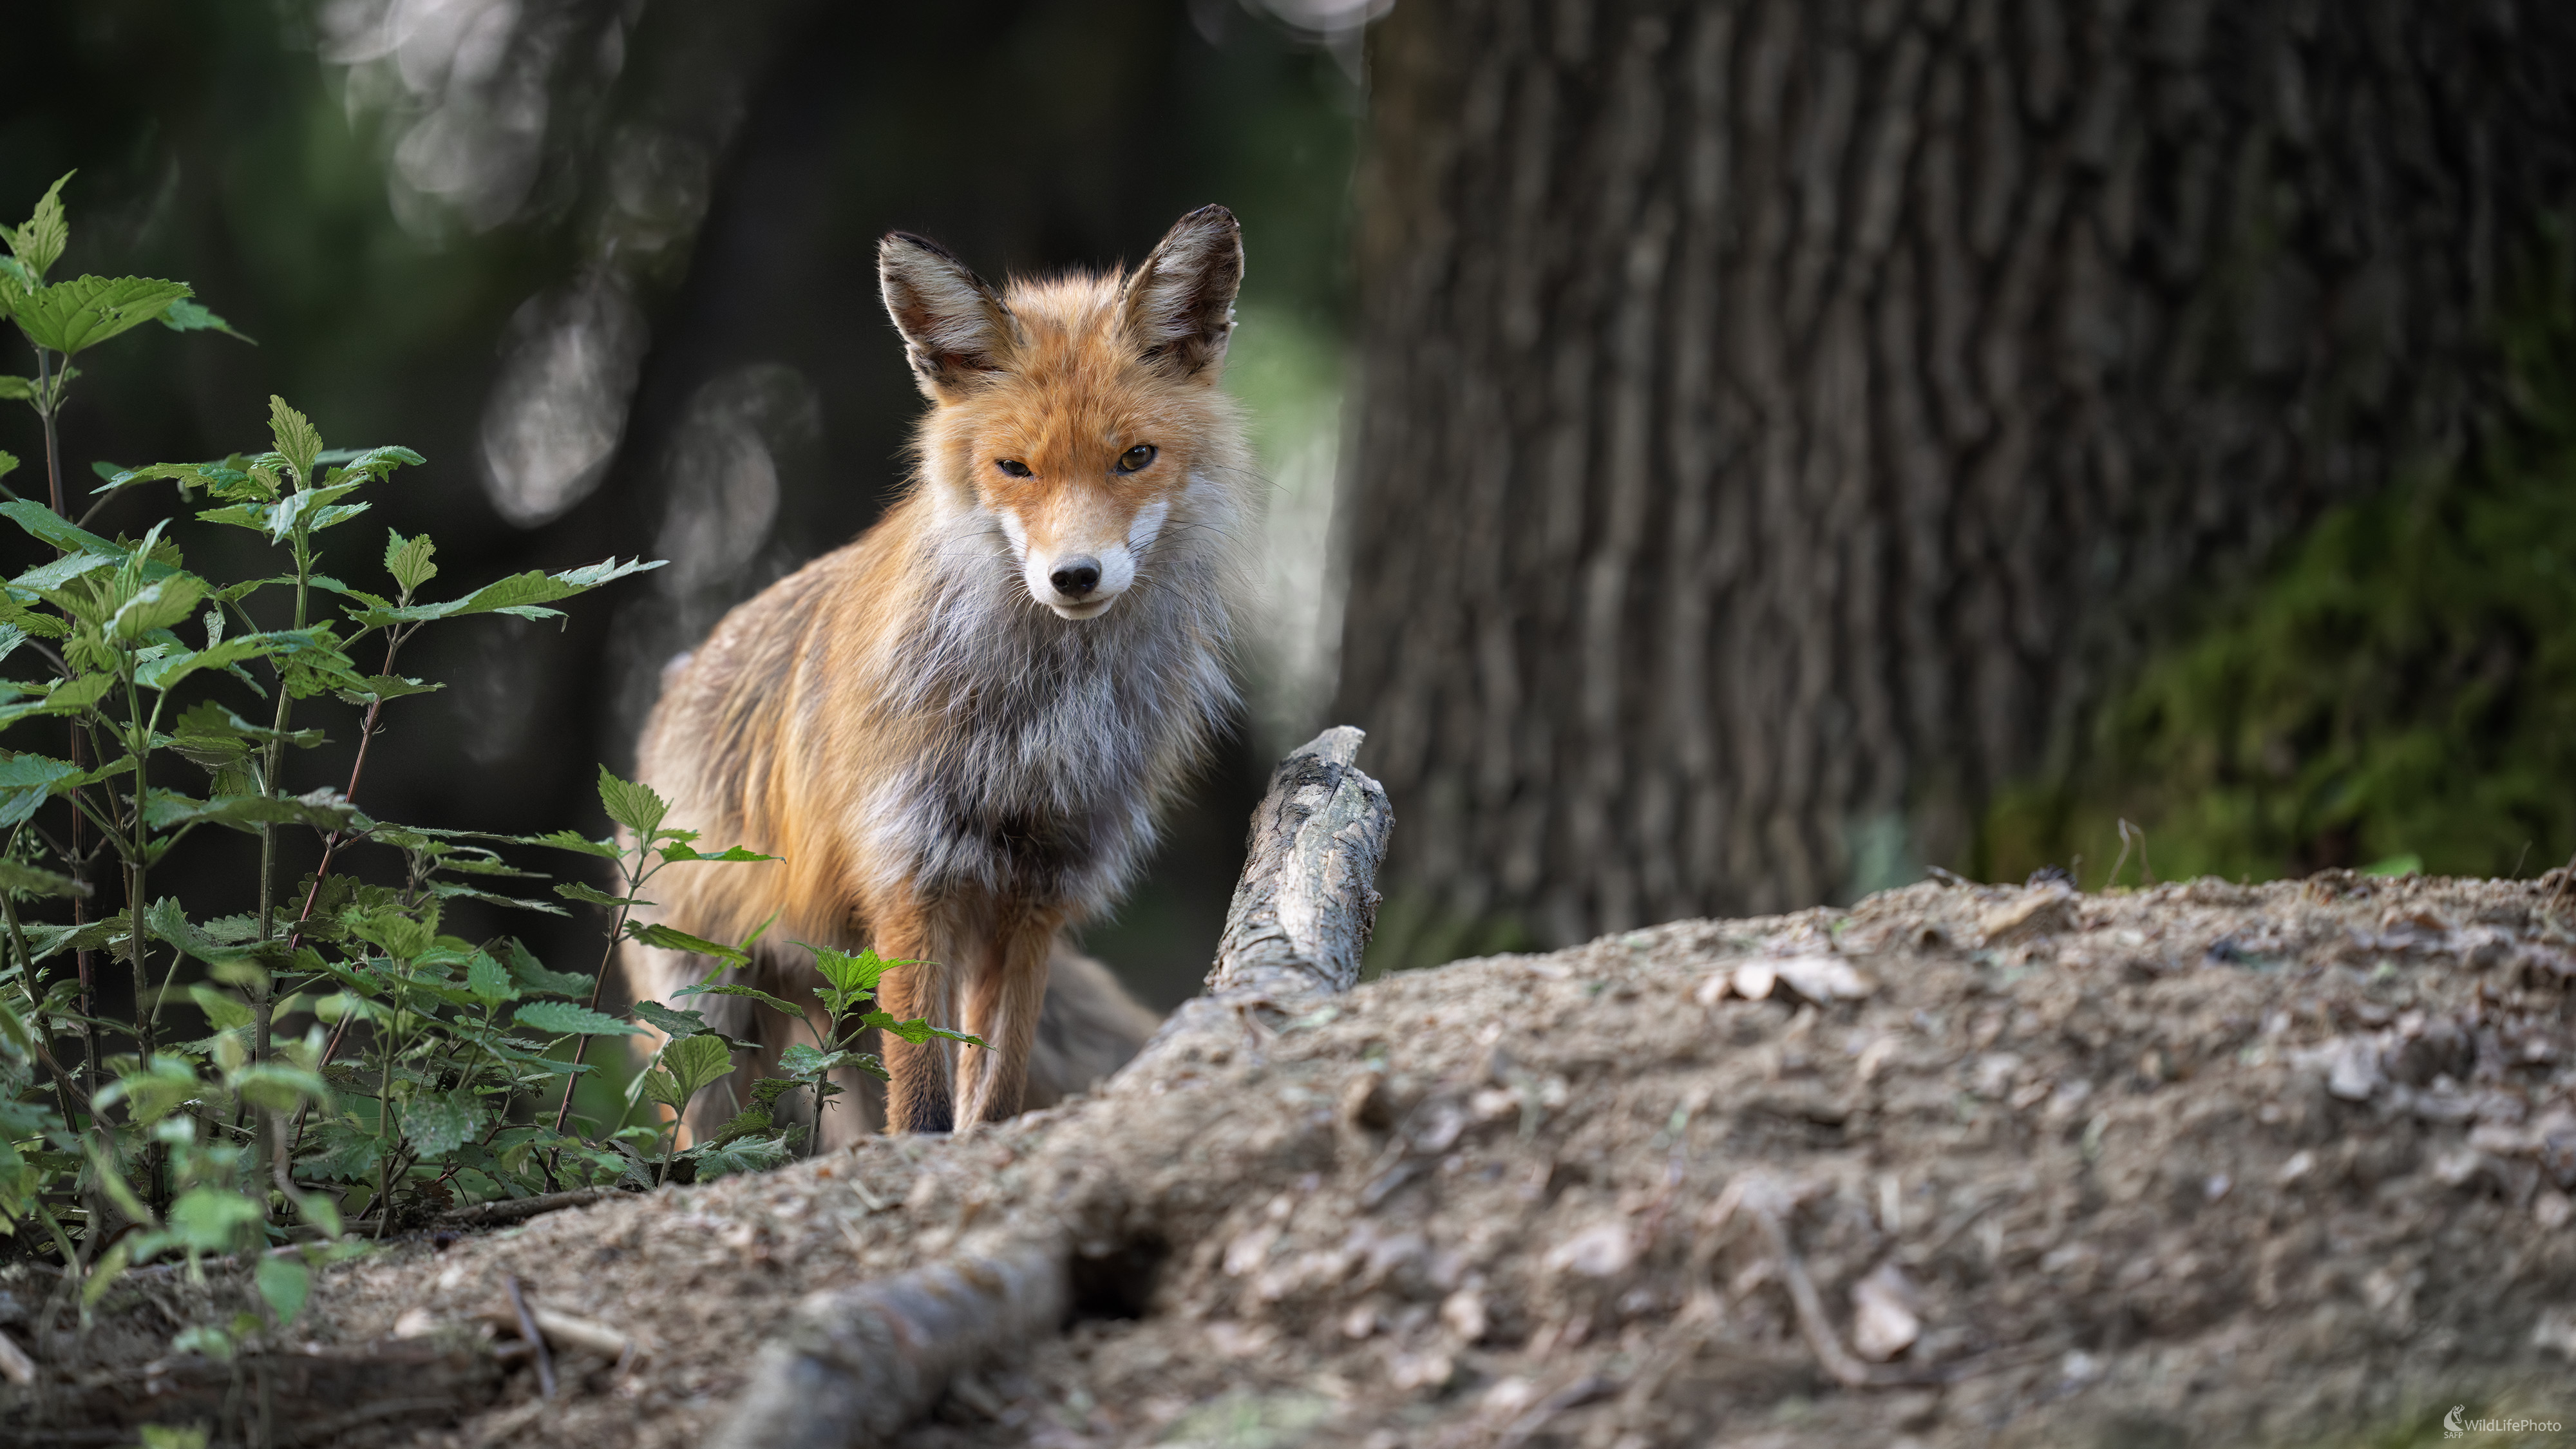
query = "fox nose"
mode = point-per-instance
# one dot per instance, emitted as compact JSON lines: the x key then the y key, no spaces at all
{"x":1076,"y":577}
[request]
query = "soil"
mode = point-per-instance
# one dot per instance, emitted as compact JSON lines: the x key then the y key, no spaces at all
{"x":2200,"y":1164}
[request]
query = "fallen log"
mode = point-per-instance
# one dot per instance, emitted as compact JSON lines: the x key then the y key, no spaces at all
{"x":855,"y":1366}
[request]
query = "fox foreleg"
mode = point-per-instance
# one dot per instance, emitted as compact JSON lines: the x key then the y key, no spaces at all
{"x":921,"y":1087}
{"x":1003,"y":1002}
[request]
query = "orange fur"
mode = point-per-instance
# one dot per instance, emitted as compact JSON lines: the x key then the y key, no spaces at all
{"x":956,"y":757}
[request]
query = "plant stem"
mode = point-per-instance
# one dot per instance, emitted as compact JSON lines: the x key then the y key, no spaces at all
{"x":635,"y":878}
{"x":78,"y":856}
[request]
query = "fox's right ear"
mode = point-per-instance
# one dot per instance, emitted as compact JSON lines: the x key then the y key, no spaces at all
{"x":955,"y":330}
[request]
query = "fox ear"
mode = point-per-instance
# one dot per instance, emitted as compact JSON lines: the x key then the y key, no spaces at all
{"x":1180,"y":304}
{"x":955,"y":330}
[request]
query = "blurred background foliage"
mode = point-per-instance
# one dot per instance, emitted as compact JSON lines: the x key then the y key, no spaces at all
{"x":2397,"y":691}
{"x":610,"y":266}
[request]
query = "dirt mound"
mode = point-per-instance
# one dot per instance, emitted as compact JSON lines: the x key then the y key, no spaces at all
{"x":1958,"y":1166}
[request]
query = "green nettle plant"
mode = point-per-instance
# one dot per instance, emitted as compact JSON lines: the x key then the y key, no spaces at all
{"x":274,"y":1076}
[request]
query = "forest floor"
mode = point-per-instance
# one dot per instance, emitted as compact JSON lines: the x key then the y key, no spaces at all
{"x":2200,"y":1164}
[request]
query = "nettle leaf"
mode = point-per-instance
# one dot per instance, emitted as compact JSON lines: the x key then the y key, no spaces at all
{"x":518,"y":594}
{"x":323,"y":809}
{"x":186,"y":316}
{"x":51,"y":529}
{"x":366,"y":465}
{"x":573,"y":890}
{"x":86,"y":311}
{"x":664,"y":938}
{"x":447,"y":890}
{"x":489,"y":980}
{"x":158,"y":606}
{"x":562,"y":1018}
{"x":345,"y":1155}
{"x":635,"y":806}
{"x":808,"y":1063}
{"x":679,"y":850}
{"x":19,"y":879}
{"x":298,"y":441}
{"x":748,"y":1154}
{"x":669,"y":1022}
{"x":278,"y":1086}
{"x":916,"y":1030}
{"x":567,"y":840}
{"x":439,"y":1124}
{"x":851,"y":974}
{"x":407,"y":559}
{"x":732,"y":989}
{"x":28,"y":781}
{"x":698,"y":1061}
{"x":39,"y":244}
{"x":532,"y":975}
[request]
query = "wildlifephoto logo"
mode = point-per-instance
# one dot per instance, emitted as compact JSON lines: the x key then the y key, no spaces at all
{"x":2457,"y":1425}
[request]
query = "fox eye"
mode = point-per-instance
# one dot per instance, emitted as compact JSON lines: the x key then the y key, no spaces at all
{"x":1014,"y":467}
{"x":1135,"y":458}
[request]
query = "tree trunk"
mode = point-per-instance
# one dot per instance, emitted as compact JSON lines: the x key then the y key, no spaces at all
{"x":1783,"y":420}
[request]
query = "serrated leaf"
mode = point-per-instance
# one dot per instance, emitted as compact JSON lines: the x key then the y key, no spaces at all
{"x":489,"y":980}
{"x":27,"y":782}
{"x":72,"y":316}
{"x":39,"y":244}
{"x":679,"y":851}
{"x":806,"y":1062}
{"x":16,"y":389}
{"x":533,"y":975}
{"x":563,"y":1018}
{"x":381,"y":687}
{"x":732,"y":989}
{"x":669,"y":1022}
{"x":408,"y":560}
{"x":438,"y":1125}
{"x":697,"y":1061}
{"x":451,"y":891}
{"x":19,"y":879}
{"x":50,"y":528}
{"x":573,"y":890}
{"x":730,"y":1158}
{"x":749,"y":1122}
{"x":567,"y":840}
{"x":633,"y":805}
{"x":852,"y":973}
{"x":916,"y":1030}
{"x":186,"y":316}
{"x":664,"y":938}
{"x":158,"y":606}
{"x":323,"y":809}
{"x":298,"y":441}
{"x":515,"y":594}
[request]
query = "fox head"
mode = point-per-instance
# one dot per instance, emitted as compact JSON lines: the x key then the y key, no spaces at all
{"x":1080,"y":415}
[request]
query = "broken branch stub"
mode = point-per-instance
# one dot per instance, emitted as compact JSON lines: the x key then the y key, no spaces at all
{"x":1307,"y":899}
{"x":1306,"y":902}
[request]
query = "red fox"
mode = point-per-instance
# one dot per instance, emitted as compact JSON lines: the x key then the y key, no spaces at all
{"x":958,"y":731}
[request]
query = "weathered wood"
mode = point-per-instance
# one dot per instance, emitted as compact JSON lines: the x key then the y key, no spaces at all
{"x":1306,"y":901}
{"x":856,"y":1365}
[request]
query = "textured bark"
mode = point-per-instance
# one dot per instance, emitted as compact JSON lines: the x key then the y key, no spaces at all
{"x":1783,"y":420}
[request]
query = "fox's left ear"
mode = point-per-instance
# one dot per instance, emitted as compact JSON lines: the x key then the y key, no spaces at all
{"x":1180,"y":304}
